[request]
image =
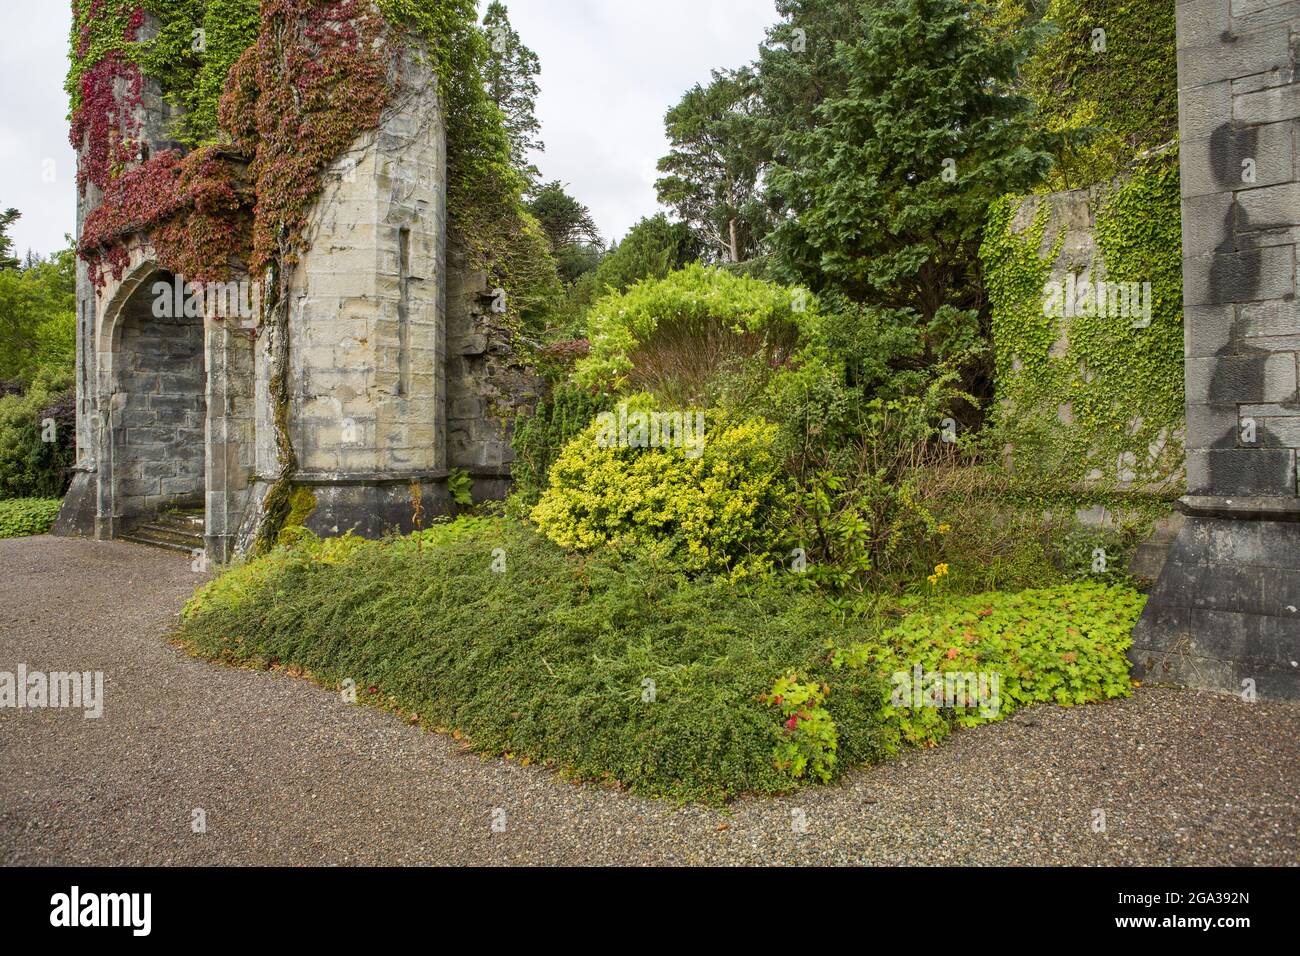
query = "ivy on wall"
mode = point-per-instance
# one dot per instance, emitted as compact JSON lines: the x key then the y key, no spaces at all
{"x":198,"y":42}
{"x":212,"y":59}
{"x":1104,"y":73}
{"x":104,"y":85}
{"x":1107,"y":408}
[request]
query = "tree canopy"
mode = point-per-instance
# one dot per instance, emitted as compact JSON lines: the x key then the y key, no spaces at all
{"x":510,"y":77}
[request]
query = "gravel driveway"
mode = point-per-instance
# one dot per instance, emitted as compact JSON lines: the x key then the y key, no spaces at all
{"x":287,"y":773}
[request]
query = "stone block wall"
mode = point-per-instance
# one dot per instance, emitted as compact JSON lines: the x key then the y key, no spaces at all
{"x":154,"y":116}
{"x":1224,"y":614}
{"x":367,"y":325}
{"x":368,"y":331}
{"x":1036,"y":399}
{"x":159,"y":410}
{"x":1241,"y":199}
{"x":170,"y":409}
{"x":231,"y":435}
{"x":488,"y":384}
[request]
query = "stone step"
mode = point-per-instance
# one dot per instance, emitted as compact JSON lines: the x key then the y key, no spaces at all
{"x":163,"y":536}
{"x":182,"y":521}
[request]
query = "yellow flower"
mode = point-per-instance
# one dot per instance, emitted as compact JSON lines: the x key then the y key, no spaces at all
{"x":940,"y":570}
{"x":945,"y":528}
{"x":933,"y":579}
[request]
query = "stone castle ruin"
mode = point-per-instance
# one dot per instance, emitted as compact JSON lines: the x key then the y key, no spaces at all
{"x":374,"y":367}
{"x":335,"y":388}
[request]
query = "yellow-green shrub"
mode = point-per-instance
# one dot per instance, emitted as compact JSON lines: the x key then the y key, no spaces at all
{"x":724,"y":510}
{"x":670,"y":336}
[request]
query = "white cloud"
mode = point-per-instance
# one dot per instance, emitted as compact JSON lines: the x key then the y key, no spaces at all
{"x":34,"y":127}
{"x":610,"y":70}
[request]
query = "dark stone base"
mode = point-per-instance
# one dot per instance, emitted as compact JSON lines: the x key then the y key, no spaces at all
{"x":77,"y":516}
{"x":1226,"y":609}
{"x":373,"y":510}
{"x":370,"y":507}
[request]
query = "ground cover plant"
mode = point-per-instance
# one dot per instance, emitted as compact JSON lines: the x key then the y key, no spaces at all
{"x":20,"y":517}
{"x":624,"y":670}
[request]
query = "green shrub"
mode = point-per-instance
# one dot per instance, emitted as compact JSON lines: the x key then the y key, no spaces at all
{"x":1003,"y":533}
{"x":31,"y":467}
{"x":722,"y":510}
{"x":20,"y":517}
{"x":538,"y":440}
{"x":606,"y":669}
{"x":672,"y":336}
{"x":1064,"y":645}
{"x":629,"y":673}
{"x":858,"y":508}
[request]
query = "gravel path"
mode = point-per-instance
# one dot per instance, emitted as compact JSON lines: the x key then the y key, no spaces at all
{"x":289,"y":774}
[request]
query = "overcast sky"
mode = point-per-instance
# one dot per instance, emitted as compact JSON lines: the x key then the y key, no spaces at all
{"x":610,"y":69}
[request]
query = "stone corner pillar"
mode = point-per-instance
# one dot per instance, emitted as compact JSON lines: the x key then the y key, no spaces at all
{"x":1225,"y":613}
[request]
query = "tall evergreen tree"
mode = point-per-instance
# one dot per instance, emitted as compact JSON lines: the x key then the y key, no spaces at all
{"x":886,"y":181}
{"x":563,"y":218}
{"x":510,"y":77}
{"x":713,"y":170}
{"x":797,"y":68}
{"x":570,"y":229}
{"x":7,"y":219}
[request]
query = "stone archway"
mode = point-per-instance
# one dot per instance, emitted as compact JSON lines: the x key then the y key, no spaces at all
{"x":153,"y":403}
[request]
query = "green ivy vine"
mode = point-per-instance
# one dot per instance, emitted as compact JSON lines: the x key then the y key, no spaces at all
{"x":1109,"y":406}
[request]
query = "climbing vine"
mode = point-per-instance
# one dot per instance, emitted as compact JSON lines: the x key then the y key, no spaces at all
{"x":234,"y":76}
{"x":1103,"y":74}
{"x":269,"y":94}
{"x":196,"y":209}
{"x":198,"y":42}
{"x":105,"y":124}
{"x":320,"y":81}
{"x":1108,"y":406}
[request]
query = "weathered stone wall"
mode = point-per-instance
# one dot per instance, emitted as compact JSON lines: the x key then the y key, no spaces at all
{"x":488,"y":384}
{"x":168,"y":409}
{"x":1239,"y":103}
{"x":1225,"y":609}
{"x":1063,"y":444}
{"x":231,"y":434}
{"x":154,"y":116}
{"x":367,"y":328}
